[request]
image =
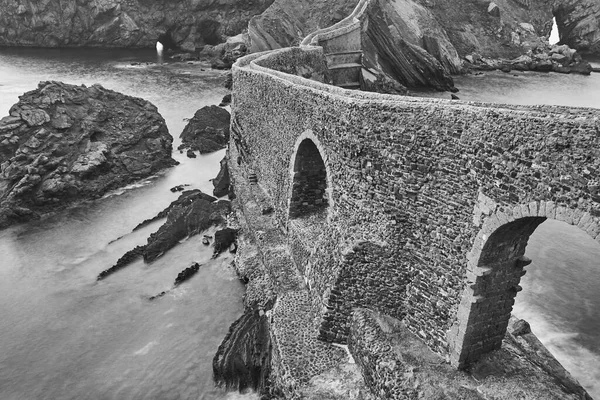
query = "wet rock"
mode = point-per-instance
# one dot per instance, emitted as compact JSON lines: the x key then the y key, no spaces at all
{"x":190,"y":153}
{"x":186,"y":197}
{"x":207,"y":131}
{"x":454,"y":97}
{"x":125,"y":260}
{"x":226,"y":100}
{"x":178,"y":188}
{"x":244,"y":357}
{"x":64,"y":143}
{"x":186,"y":274}
{"x":193,"y":216}
{"x":205,"y":241}
{"x":224,"y":238}
{"x":221,"y":182}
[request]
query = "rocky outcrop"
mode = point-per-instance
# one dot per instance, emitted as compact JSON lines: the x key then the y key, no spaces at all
{"x":221,"y":182}
{"x":189,"y":24}
{"x":579,"y":24}
{"x":385,"y":49}
{"x":286,"y":22}
{"x":63,"y":143}
{"x":192,"y":213}
{"x":207,"y":131}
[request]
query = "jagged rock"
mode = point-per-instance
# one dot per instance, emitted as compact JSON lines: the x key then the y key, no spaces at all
{"x":63,"y":143}
{"x":186,"y":274}
{"x":372,"y":81}
{"x":226,"y":100}
{"x":207,"y":131}
{"x":190,"y":153}
{"x":221,"y":182}
{"x":385,"y":50}
{"x":579,"y":24}
{"x":244,"y":357}
{"x":192,"y":213}
{"x":185,"y":198}
{"x":193,"y":216}
{"x":224,"y":238}
{"x":114,"y":23}
{"x":178,"y":188}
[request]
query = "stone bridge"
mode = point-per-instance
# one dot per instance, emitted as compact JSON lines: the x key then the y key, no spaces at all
{"x":417,"y":208}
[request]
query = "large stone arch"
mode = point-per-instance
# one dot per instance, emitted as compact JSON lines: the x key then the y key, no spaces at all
{"x":494,"y":269}
{"x":310,"y":178}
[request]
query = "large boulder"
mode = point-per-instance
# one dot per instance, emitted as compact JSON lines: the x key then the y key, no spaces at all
{"x":207,"y":131}
{"x":62,"y":143}
{"x":222,"y":182}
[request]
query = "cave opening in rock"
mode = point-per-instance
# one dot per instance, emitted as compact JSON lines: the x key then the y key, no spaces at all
{"x":558,"y":293}
{"x":309,"y":186}
{"x":554,"y":34}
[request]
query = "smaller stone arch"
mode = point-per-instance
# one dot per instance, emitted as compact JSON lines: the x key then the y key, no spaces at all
{"x":310,"y":192}
{"x":495,"y":266}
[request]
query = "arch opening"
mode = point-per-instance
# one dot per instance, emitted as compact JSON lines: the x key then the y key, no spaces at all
{"x":309,"y":186}
{"x":494,"y":275}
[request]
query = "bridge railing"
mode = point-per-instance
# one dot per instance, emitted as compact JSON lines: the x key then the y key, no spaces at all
{"x":344,"y":26}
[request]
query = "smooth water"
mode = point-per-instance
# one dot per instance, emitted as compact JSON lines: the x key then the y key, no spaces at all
{"x":62,"y":334}
{"x":561,"y":290}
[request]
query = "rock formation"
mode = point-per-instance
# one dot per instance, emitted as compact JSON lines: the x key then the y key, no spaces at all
{"x":579,"y":24}
{"x":221,"y":182}
{"x":207,"y":131}
{"x":189,"y":24}
{"x":62,"y":143}
{"x":192,"y":213}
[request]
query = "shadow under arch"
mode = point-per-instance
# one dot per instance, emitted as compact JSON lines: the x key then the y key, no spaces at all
{"x":496,"y":265}
{"x":310,"y":193}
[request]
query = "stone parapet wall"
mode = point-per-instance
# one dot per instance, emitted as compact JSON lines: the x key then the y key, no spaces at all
{"x":417,"y":177}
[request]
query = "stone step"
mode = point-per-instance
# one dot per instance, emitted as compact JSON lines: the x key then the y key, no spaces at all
{"x":345,"y":66}
{"x":349,"y":85}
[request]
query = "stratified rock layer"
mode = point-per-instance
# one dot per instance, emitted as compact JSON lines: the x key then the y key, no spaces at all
{"x":63,"y":143}
{"x":124,"y":23}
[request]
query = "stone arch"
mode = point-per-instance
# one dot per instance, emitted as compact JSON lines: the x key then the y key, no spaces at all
{"x":310,"y":189}
{"x":495,"y":266}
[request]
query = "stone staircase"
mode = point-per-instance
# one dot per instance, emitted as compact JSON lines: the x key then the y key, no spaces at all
{"x":344,"y":68}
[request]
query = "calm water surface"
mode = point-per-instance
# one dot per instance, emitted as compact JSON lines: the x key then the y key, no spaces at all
{"x":561,"y":290}
{"x":62,"y":334}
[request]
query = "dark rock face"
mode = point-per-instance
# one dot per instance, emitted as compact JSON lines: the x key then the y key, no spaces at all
{"x":188,"y":24}
{"x":63,"y":143}
{"x":409,"y":64}
{"x":221,"y":182}
{"x":186,"y":274}
{"x":207,"y":131}
{"x":192,"y":213}
{"x":195,"y":215}
{"x":244,"y":357}
{"x":579,"y":24}
{"x":224,"y":238}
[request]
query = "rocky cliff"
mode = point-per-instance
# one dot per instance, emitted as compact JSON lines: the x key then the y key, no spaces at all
{"x":62,"y":143}
{"x":124,"y":23}
{"x":579,"y":24}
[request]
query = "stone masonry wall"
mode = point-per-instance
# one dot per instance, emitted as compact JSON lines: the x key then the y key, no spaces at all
{"x":369,"y":278}
{"x":408,"y":175}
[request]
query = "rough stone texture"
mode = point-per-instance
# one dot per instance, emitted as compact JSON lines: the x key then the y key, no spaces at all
{"x":221,"y":182}
{"x":192,"y":213}
{"x":397,"y":365}
{"x":207,"y":131}
{"x":189,"y":24}
{"x":427,"y":180}
{"x":579,"y":24}
{"x":63,"y":143}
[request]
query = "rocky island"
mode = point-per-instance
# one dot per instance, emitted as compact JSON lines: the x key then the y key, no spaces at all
{"x":63,"y":143}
